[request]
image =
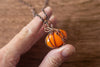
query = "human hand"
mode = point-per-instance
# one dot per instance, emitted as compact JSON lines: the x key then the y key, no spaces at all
{"x":26,"y":38}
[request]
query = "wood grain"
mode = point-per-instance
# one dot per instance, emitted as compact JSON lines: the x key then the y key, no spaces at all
{"x":80,"y":18}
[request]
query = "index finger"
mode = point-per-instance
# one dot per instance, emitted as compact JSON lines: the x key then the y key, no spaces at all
{"x":22,"y":42}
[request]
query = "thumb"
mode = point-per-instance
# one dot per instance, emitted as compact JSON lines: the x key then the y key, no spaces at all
{"x":57,"y":56}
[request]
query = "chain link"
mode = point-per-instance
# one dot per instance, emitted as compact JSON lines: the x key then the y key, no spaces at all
{"x":32,"y":8}
{"x":47,"y":27}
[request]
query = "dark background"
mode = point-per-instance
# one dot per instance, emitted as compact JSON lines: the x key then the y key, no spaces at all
{"x":80,"y":18}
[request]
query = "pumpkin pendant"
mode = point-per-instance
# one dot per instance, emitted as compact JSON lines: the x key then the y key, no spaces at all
{"x":56,"y":38}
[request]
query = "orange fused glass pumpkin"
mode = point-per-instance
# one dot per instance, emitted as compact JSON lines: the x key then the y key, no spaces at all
{"x":56,"y":38}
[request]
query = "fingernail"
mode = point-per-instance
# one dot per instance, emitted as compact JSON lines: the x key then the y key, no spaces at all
{"x":69,"y":50}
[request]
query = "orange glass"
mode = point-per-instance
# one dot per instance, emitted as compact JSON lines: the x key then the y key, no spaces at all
{"x":56,"y":38}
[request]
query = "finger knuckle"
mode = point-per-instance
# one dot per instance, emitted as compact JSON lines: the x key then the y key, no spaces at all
{"x":25,"y":32}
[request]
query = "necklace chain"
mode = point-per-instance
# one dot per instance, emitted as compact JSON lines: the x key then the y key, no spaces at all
{"x":47,"y":27}
{"x":32,"y":8}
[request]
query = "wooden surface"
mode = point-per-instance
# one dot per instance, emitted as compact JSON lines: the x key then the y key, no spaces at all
{"x":80,"y":18}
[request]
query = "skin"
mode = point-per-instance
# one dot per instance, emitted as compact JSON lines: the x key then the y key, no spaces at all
{"x":26,"y":38}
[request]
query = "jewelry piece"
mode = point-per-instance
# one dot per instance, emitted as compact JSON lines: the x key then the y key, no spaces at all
{"x":56,"y":37}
